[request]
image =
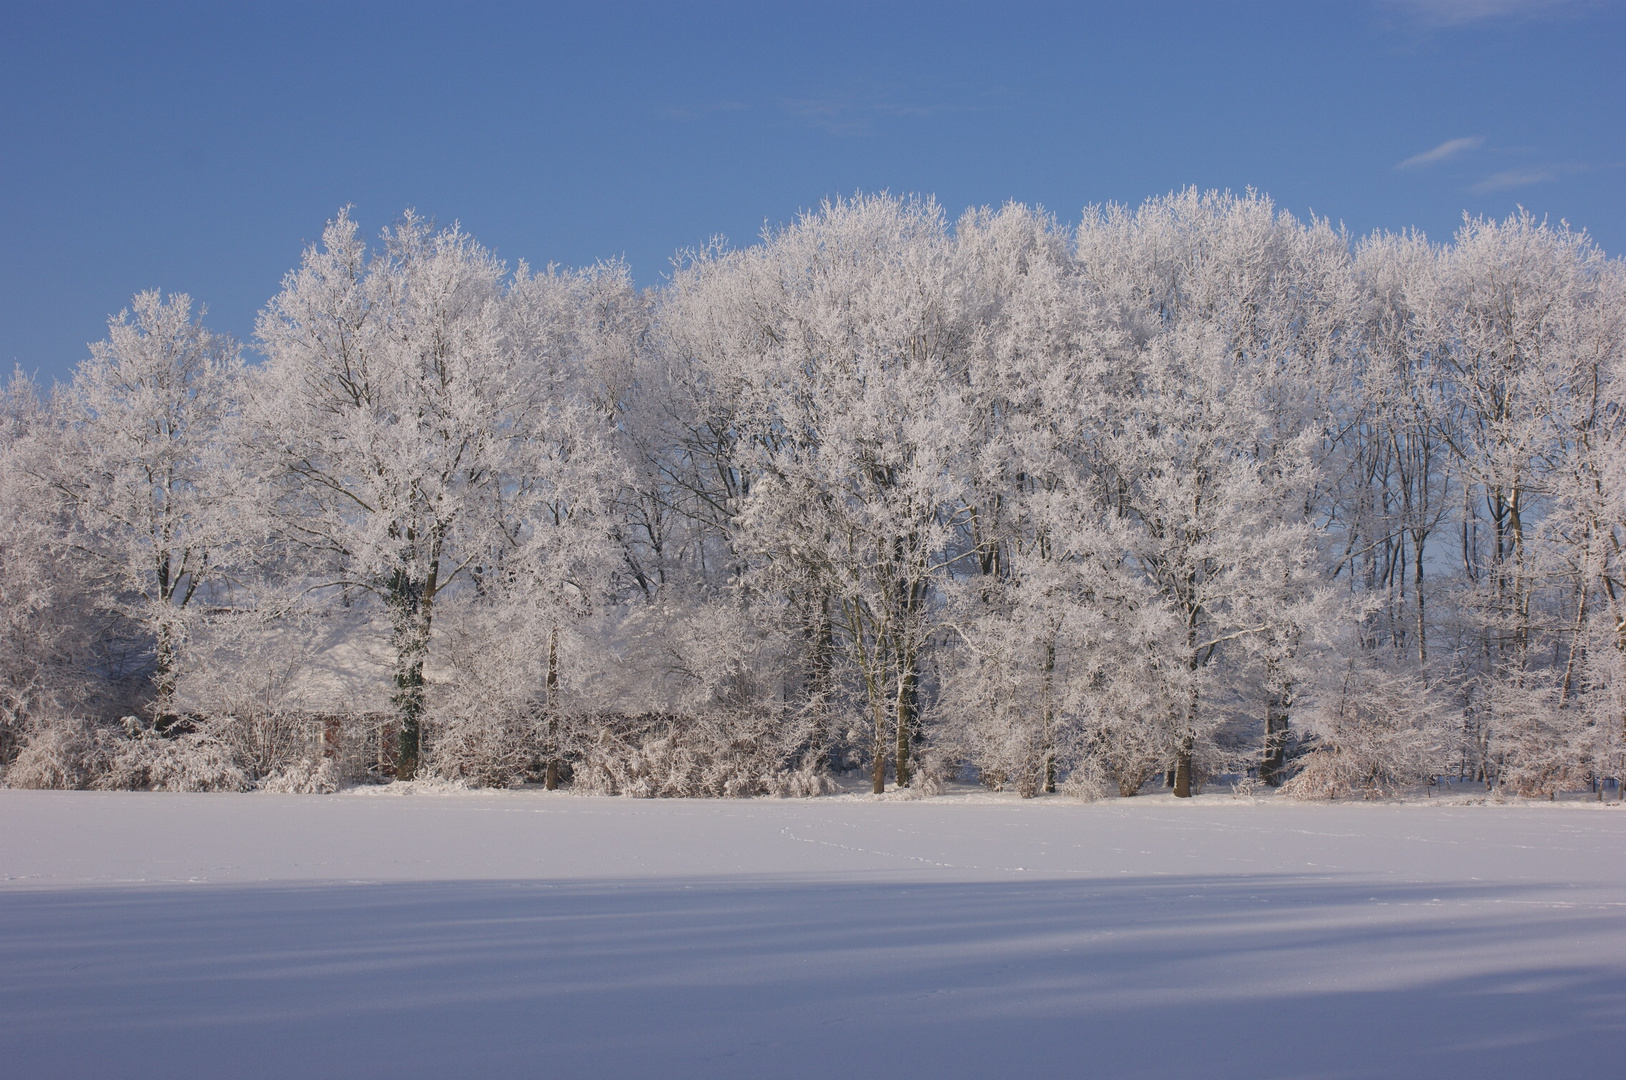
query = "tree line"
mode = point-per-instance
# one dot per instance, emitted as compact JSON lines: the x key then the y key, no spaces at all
{"x":1183,"y":491}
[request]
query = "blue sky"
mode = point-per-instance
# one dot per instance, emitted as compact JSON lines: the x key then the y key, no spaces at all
{"x":198,"y":148}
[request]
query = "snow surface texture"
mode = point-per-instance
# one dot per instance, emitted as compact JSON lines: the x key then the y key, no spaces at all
{"x":510,"y":934}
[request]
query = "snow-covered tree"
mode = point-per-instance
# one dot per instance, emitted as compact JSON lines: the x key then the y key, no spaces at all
{"x":52,"y":619}
{"x":1533,"y":334}
{"x":420,"y":438}
{"x":1204,"y":431}
{"x":844,"y":338}
{"x":141,"y":458}
{"x":1192,"y":486}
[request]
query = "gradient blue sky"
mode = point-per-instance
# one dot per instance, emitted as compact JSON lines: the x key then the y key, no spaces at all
{"x":198,"y":148}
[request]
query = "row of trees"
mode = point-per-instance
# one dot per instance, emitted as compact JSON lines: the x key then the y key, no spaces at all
{"x":1188,"y":489}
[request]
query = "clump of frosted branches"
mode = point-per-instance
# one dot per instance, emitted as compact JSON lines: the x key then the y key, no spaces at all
{"x":1375,"y":733}
{"x":716,"y":724}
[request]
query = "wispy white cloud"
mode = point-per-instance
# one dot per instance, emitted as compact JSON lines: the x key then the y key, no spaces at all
{"x":1545,"y":172}
{"x":1447,"y":150}
{"x":855,"y":110}
{"x":1462,"y":12}
{"x":1514,"y":178}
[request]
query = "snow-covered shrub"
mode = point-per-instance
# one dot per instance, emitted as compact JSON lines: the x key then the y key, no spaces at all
{"x":487,"y":719}
{"x":265,"y":743}
{"x":1075,"y":667}
{"x":1605,"y":704}
{"x":199,"y":758}
{"x":1088,"y":781}
{"x":1248,"y":787}
{"x":1131,"y":720}
{"x":1537,"y":746}
{"x":806,"y":781}
{"x":937,"y":763}
{"x":1007,"y":753}
{"x":672,"y":756}
{"x":264,"y":682}
{"x":195,"y":754}
{"x":293,"y":692}
{"x":306,"y":776}
{"x":711,"y":679}
{"x":1129,"y":754}
{"x":1006,"y":683}
{"x":996,"y":724}
{"x":483,"y":749}
{"x":1374,"y":734}
{"x":65,"y":752}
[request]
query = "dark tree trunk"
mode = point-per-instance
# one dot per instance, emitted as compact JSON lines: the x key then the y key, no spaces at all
{"x":550,"y":779}
{"x":1182,"y":769}
{"x":409,"y":706}
{"x":410,"y":603}
{"x":878,"y":773}
{"x":164,"y":666}
{"x":908,"y":688}
{"x":1049,"y":748}
{"x":1182,"y":759}
{"x":1417,"y":596}
{"x":1276,"y":727}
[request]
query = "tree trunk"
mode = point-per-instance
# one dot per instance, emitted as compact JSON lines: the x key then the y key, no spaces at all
{"x":878,"y":774}
{"x":908,"y":680}
{"x":409,"y":706}
{"x":1048,"y":750}
{"x":410,"y":613}
{"x":1577,"y":648}
{"x":1417,"y":597}
{"x":1276,"y":727}
{"x":166,"y":651}
{"x":1182,"y":760}
{"x":413,"y":604}
{"x":1182,"y":769}
{"x":550,"y":780}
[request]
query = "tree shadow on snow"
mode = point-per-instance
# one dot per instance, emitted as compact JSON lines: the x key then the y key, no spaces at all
{"x":1212,"y":977}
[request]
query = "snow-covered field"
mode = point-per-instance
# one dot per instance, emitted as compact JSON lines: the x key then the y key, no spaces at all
{"x":528,"y":934}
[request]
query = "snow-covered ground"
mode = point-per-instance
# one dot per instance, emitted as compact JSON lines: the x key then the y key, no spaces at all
{"x":528,"y":934}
